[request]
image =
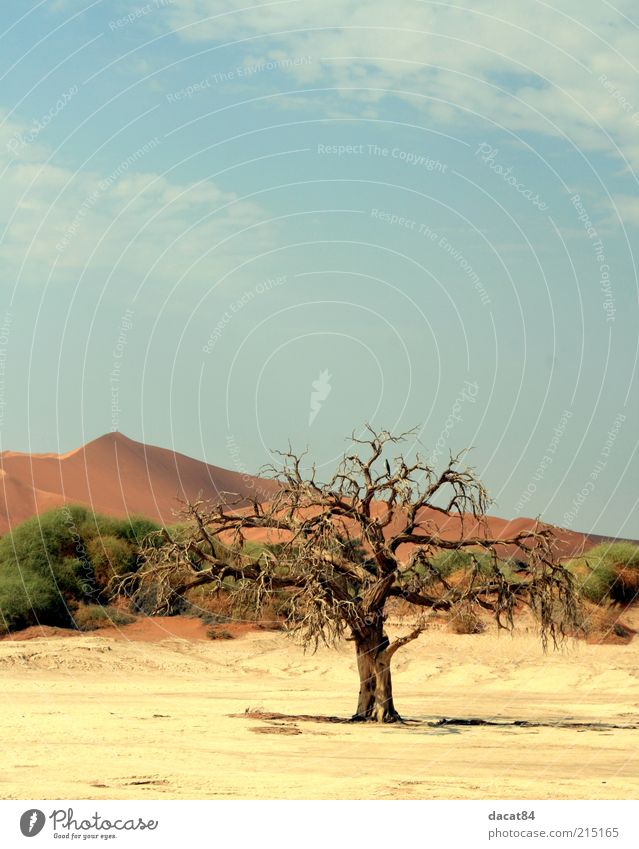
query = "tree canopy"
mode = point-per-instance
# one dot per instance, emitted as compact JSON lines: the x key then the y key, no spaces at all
{"x":343,"y":550}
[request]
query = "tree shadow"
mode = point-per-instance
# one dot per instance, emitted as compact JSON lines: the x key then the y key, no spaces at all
{"x":440,"y":722}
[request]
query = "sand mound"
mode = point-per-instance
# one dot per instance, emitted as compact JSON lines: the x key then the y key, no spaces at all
{"x":113,"y":475}
{"x":118,"y":476}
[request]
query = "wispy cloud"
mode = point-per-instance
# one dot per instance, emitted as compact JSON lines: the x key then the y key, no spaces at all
{"x":528,"y":67}
{"x":129,"y":217}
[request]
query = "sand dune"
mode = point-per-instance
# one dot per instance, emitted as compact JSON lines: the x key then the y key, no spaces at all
{"x":130,"y":720}
{"x":566,"y":543}
{"x":113,"y":475}
{"x":118,"y":476}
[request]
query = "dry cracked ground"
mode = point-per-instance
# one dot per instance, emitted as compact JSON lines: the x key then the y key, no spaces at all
{"x":114,"y":717}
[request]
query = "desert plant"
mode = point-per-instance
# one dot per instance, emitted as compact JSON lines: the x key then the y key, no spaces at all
{"x":601,"y":623}
{"x":334,"y":592}
{"x":447,"y":562}
{"x":608,"y":572}
{"x":53,"y":562}
{"x":216,"y":634}
{"x":110,"y":555}
{"x":464,"y":619}
{"x":88,"y":617}
{"x":30,"y":599}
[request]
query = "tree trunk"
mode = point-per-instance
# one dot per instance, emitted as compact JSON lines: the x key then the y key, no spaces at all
{"x":375,"y":702}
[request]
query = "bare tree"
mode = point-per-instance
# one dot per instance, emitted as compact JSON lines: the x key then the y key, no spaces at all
{"x":345,"y":549}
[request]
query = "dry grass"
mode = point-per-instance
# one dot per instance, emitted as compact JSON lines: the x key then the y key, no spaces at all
{"x":601,"y":624}
{"x":628,"y":582}
{"x":90,"y":617}
{"x":464,"y":620}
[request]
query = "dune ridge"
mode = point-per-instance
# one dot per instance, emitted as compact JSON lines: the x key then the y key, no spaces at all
{"x":118,"y":476}
{"x":114,"y":475}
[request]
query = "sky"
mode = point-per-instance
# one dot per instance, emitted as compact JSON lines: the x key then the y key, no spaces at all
{"x":227,"y":227}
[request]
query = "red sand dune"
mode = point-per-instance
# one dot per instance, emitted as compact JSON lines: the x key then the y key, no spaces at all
{"x":117,"y":476}
{"x":113,"y":475}
{"x":566,"y":543}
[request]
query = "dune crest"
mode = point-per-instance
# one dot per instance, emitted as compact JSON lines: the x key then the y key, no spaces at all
{"x":118,"y":476}
{"x":114,"y":475}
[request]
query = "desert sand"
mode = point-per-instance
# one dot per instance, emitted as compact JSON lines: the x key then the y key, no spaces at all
{"x":150,"y":714}
{"x":114,"y":475}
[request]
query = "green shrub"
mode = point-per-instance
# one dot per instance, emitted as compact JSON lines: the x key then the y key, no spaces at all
{"x":207,"y":616}
{"x":30,"y":600}
{"x":136,"y":529}
{"x":111,"y":556}
{"x":63,"y":558}
{"x":49,"y":546}
{"x":88,"y":617}
{"x":447,"y":562}
{"x":251,"y":550}
{"x":133,"y":529}
{"x":608,"y":572}
{"x":453,"y":562}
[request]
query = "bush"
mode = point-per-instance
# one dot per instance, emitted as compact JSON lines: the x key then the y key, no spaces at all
{"x":214,"y":634}
{"x":30,"y":600}
{"x":454,"y":562}
{"x":600,"y":623}
{"x":88,"y":617}
{"x":53,"y":562}
{"x":608,"y":572}
{"x":464,"y":620}
{"x":46,"y":554}
{"x":111,"y":556}
{"x":447,"y":562}
{"x":209,"y":618}
{"x":133,"y":529}
{"x":136,"y":529}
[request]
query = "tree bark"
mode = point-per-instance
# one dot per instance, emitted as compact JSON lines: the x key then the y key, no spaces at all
{"x":375,"y":702}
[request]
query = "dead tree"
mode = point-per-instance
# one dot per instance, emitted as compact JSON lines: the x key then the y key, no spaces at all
{"x":343,"y":550}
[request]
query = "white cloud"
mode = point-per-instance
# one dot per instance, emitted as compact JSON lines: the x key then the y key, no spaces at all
{"x":547,"y":60}
{"x":127,"y":217}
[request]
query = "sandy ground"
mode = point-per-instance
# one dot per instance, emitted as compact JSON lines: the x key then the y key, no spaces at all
{"x":97,"y":717}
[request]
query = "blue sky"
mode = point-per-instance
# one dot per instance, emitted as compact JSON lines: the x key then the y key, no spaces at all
{"x":222,"y":230}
